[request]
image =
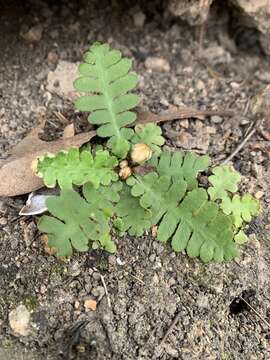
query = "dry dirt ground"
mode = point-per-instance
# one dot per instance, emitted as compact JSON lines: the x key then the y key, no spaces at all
{"x":148,"y":285}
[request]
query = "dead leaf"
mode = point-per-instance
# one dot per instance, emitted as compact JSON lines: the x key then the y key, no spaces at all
{"x":69,"y":131}
{"x":35,"y":205}
{"x":16,"y":175}
{"x":47,"y":249}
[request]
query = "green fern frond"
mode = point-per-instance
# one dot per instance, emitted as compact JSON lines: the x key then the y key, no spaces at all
{"x":240,"y":238}
{"x":192,"y":221}
{"x":106,"y":74}
{"x":241,"y":208}
{"x":149,"y":134}
{"x":224,"y":179}
{"x":135,"y":219}
{"x":175,"y":164}
{"x":78,"y":168}
{"x":80,"y":223}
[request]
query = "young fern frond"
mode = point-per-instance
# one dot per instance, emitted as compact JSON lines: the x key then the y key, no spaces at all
{"x":194,"y":223}
{"x":74,"y":167}
{"x":224,"y":179}
{"x":241,"y":208}
{"x":135,"y":219}
{"x":176,"y":164}
{"x":106,"y":74}
{"x":78,"y":222}
{"x":149,"y":134}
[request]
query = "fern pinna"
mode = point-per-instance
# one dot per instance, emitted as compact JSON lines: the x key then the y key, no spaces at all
{"x":106,"y":74}
{"x":98,"y":203}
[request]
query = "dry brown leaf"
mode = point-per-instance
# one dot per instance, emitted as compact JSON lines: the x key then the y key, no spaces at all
{"x":16,"y":175}
{"x":48,"y":250}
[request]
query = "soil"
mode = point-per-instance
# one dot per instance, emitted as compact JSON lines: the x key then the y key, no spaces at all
{"x":148,"y":285}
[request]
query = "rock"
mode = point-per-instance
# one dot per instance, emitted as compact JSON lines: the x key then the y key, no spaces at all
{"x":54,"y":34}
{"x":259,"y":194}
{"x":34,"y":34}
{"x":216,"y":119}
{"x":19,"y":320}
{"x":202,"y":301}
{"x":76,"y":305}
{"x":157,"y":64}
{"x":139,"y":19}
{"x":52,"y":57}
{"x":256,"y":13}
{"x":216,"y":54}
{"x":190,"y":10}
{"x":61,"y":79}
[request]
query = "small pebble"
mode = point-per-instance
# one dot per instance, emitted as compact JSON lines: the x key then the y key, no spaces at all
{"x":90,"y":304}
{"x":202,"y":302}
{"x":19,"y":320}
{"x":76,"y":305}
{"x":184,"y":124}
{"x":259,"y":194}
{"x":34,"y":34}
{"x":139,"y":19}
{"x":54,"y":34}
{"x":3,"y":221}
{"x":157,"y":64}
{"x":52,"y":57}
{"x":152,"y":257}
{"x":216,"y":119}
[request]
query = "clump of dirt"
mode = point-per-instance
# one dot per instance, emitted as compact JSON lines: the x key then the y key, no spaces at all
{"x":148,"y":285}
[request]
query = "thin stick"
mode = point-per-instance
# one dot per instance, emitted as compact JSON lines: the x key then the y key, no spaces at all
{"x":239,"y":147}
{"x":255,"y":311}
{"x":61,"y":117}
{"x":181,"y":113}
{"x":175,"y":321}
{"x":105,"y":288}
{"x":136,"y":278}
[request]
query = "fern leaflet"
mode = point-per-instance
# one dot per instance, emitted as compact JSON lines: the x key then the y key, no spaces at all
{"x":78,"y":168}
{"x":79,"y":223}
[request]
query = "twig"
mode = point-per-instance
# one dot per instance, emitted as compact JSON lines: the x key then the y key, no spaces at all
{"x":240,"y":146}
{"x":181,"y":113}
{"x":61,"y":117}
{"x":136,"y":278}
{"x":175,"y":321}
{"x":105,"y":287}
{"x":255,"y":311}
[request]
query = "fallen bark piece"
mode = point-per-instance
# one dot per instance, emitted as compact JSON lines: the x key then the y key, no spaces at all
{"x":16,"y":175}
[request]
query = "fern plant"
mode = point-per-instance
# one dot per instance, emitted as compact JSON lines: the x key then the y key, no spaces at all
{"x":106,"y":193}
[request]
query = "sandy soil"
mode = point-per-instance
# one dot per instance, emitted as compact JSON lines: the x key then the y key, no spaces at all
{"x":148,"y":285}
